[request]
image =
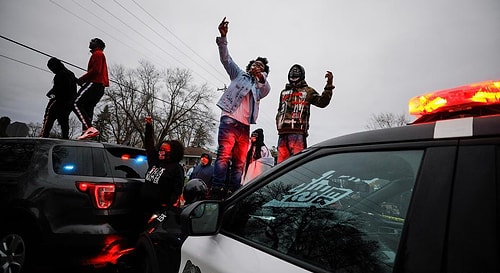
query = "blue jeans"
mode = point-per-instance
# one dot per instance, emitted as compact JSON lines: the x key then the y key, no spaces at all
{"x":290,"y":144}
{"x":233,"y":141}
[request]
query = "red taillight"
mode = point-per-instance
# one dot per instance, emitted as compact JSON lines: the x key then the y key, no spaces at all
{"x":455,"y":99}
{"x":102,"y":194}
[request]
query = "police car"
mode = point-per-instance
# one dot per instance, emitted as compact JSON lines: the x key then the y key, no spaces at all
{"x":419,"y":198}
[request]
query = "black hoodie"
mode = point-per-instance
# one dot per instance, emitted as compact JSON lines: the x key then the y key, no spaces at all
{"x":64,"y":88}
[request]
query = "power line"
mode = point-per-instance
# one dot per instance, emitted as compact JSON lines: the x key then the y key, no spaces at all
{"x":149,"y":40}
{"x":91,"y":24}
{"x":21,"y":62}
{"x":117,"y":39}
{"x":121,"y":42}
{"x":38,"y":51}
{"x":159,"y":35}
{"x":111,"y":80}
{"x":173,"y":34}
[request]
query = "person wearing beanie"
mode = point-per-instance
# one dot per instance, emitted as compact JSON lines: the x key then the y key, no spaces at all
{"x":204,"y":170}
{"x":258,"y":158}
{"x":292,"y":119}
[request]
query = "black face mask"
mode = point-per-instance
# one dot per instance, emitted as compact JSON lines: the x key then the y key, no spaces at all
{"x":296,"y":74}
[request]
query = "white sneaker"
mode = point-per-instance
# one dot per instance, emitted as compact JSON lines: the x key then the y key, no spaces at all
{"x":89,"y":133}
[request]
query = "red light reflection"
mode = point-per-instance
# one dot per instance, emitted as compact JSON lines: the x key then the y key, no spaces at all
{"x":114,"y":248}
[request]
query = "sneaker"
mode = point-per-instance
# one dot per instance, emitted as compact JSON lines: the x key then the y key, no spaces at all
{"x":89,"y":133}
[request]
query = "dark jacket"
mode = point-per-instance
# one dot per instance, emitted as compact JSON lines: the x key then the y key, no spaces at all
{"x":164,"y":179}
{"x":64,"y":88}
{"x":204,"y":172}
{"x":295,"y":107}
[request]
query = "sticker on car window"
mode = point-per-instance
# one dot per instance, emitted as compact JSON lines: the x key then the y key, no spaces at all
{"x":318,"y":193}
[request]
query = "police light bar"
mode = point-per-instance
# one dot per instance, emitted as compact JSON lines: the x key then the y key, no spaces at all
{"x":456,"y":99}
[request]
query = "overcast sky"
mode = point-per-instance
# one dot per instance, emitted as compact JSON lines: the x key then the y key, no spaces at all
{"x":382,"y":53}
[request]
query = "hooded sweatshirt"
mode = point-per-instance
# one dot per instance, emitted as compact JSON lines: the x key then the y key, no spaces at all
{"x":295,"y":105}
{"x":64,"y":88}
{"x":204,"y":172}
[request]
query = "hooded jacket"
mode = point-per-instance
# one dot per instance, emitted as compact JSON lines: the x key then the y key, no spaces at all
{"x":204,"y":172}
{"x":295,"y":105}
{"x":64,"y":88}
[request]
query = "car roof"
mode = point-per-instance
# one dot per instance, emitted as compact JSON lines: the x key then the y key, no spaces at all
{"x":68,"y":142}
{"x":452,"y":128}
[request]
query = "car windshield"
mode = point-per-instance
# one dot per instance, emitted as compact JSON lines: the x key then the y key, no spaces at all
{"x":341,"y":211}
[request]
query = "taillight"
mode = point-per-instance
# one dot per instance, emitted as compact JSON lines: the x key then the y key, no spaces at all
{"x":102,"y":194}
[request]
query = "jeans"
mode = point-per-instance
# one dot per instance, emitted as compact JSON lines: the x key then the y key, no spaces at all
{"x":233,"y":141}
{"x":290,"y":144}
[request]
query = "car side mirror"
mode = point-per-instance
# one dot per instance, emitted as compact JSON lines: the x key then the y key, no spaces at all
{"x":201,"y":218}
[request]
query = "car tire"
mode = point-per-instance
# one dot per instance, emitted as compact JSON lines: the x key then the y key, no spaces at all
{"x":146,"y":256}
{"x":13,"y":252}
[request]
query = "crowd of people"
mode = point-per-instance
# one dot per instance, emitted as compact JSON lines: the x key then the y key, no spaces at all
{"x":240,"y":157}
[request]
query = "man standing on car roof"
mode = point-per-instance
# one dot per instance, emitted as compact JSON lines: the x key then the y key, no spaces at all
{"x":61,"y":98}
{"x":92,"y":88}
{"x":240,"y":107}
{"x":292,"y":119}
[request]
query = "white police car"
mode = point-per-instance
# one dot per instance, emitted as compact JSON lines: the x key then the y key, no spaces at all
{"x":419,"y":198}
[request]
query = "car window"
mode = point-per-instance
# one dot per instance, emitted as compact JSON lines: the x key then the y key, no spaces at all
{"x":100,"y":163}
{"x":127,"y":163}
{"x":71,"y":160}
{"x":341,"y":212}
{"x":15,"y":157}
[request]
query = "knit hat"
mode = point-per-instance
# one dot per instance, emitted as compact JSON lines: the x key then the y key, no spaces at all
{"x":259,"y":133}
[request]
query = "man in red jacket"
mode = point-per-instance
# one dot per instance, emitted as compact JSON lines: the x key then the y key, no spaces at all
{"x":92,"y":88}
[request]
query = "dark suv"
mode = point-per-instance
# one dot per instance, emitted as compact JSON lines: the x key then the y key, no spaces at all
{"x":64,"y":194}
{"x":424,"y":197}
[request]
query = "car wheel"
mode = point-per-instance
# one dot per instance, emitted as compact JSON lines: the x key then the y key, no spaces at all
{"x":144,"y":262}
{"x":146,"y":256}
{"x":12,"y":252}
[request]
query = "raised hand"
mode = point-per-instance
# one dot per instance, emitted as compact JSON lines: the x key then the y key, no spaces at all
{"x":223,"y":27}
{"x":329,"y":77}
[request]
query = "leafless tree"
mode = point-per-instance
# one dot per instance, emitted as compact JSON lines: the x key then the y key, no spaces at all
{"x":126,"y":104}
{"x":179,"y":108}
{"x":387,"y":120}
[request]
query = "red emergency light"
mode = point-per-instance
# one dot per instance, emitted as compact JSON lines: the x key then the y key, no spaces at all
{"x":456,"y":99}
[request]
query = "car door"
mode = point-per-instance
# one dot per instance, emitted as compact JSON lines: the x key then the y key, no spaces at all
{"x":473,"y":240}
{"x":454,"y":211}
{"x":334,"y":211}
{"x":68,"y":207}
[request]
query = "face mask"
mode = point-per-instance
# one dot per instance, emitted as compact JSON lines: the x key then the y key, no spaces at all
{"x":296,"y":74}
{"x":164,"y":152}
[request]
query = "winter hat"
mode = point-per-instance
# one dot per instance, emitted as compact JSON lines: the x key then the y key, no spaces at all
{"x":259,"y":133}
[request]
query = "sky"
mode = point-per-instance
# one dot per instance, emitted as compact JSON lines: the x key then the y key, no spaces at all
{"x":382,"y":53}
